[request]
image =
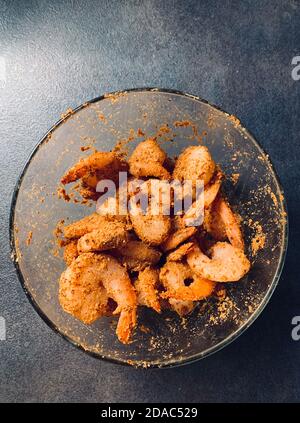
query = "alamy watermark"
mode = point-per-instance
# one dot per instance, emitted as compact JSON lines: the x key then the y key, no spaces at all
{"x":296,"y":329}
{"x":296,"y":69}
{"x":153,"y":197}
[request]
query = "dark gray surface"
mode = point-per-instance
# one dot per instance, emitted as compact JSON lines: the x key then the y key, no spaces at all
{"x":236,"y":54}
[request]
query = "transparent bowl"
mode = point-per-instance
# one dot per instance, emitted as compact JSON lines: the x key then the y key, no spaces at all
{"x":177,"y":120}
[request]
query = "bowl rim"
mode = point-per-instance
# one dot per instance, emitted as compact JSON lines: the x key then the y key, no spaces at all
{"x":168,"y":364}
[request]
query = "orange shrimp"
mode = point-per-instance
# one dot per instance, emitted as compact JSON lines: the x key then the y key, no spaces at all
{"x":227,"y":263}
{"x":89,"y":282}
{"x":89,"y":165}
{"x":146,"y":287}
{"x":173,"y":276}
{"x":147,"y":160}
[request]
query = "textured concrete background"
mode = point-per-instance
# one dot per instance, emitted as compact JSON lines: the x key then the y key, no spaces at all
{"x":236,"y":54}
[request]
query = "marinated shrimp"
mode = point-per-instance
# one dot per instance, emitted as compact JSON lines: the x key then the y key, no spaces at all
{"x":193,"y":164}
{"x":110,"y":235}
{"x":88,"y":167}
{"x":194,"y":216}
{"x":118,"y":286}
{"x":155,"y":255}
{"x":178,"y":271}
{"x":81,"y":292}
{"x":231,"y":223}
{"x":83,"y":226}
{"x":227,"y":263}
{"x":221,"y":222}
{"x":152,"y":230}
{"x":146,"y":287}
{"x":173,"y":276}
{"x":147,"y":160}
{"x":153,"y":224}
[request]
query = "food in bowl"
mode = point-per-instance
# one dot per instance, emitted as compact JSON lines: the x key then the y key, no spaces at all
{"x":163,"y":236}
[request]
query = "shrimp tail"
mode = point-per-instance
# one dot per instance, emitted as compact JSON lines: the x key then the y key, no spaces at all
{"x":126,"y":324}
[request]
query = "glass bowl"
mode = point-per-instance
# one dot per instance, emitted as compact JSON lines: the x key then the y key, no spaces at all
{"x":177,"y":120}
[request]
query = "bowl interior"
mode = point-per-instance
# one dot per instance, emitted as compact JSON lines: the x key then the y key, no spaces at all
{"x":176,"y":120}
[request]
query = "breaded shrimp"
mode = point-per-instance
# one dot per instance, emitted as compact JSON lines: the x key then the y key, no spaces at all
{"x":116,"y":281}
{"x":147,"y":160}
{"x":152,"y":230}
{"x":178,"y":272}
{"x":136,"y":255}
{"x":194,"y":163}
{"x":152,"y":224}
{"x":195,"y":215}
{"x":91,"y":164}
{"x":71,"y":252}
{"x":81,"y":292}
{"x":227,"y":263}
{"x":231,"y":223}
{"x":181,"y":252}
{"x":173,"y":276}
{"x":87,"y":224}
{"x":111,"y":234}
{"x":89,"y":282}
{"x":178,"y":237}
{"x":111,"y":172}
{"x":221,"y":222}
{"x":146,"y":288}
{"x":83,"y":226}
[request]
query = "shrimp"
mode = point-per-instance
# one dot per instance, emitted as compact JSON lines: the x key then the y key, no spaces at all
{"x":178,"y":237}
{"x":231,"y":223}
{"x":221,"y":222}
{"x":194,"y":163}
{"x":194,"y":215}
{"x":151,"y":229}
{"x":181,"y":252}
{"x":227,"y":263}
{"x":71,"y":252}
{"x":83,"y":226}
{"x":173,"y":276}
{"x":180,"y":307}
{"x":80,"y":290}
{"x":87,"y":224}
{"x":136,"y":255}
{"x":153,"y":224}
{"x":146,"y":287}
{"x":116,"y":281}
{"x":87,"y":285}
{"x":147,"y":160}
{"x":87,"y":167}
{"x":110,"y":235}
